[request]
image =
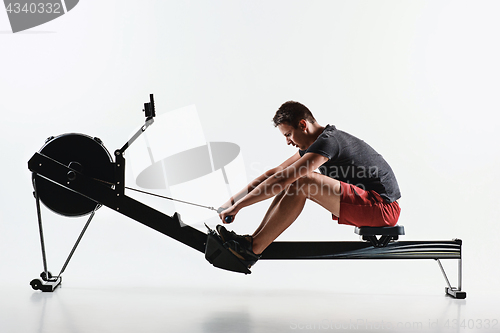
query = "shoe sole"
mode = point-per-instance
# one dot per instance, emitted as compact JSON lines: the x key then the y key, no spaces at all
{"x":221,"y":235}
{"x":239,"y":256}
{"x":247,"y":262}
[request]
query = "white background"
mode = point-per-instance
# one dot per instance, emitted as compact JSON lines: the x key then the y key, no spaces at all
{"x":417,"y":80}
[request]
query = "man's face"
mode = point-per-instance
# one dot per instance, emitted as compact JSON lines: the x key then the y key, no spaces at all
{"x":294,"y":136}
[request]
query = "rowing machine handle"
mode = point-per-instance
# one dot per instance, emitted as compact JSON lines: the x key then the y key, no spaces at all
{"x":227,"y":219}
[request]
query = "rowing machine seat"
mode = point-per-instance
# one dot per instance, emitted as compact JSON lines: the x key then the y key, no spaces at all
{"x":386,"y":234}
{"x":383,"y":231}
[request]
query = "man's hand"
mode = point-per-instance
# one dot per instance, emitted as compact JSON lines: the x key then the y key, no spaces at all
{"x":231,"y":211}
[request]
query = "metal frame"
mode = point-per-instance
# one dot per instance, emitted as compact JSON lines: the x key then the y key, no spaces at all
{"x":114,"y":198}
{"x":47,"y":282}
{"x":452,"y":291}
{"x":218,"y":255}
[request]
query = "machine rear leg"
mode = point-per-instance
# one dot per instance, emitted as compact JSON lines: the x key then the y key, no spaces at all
{"x":47,"y":282}
{"x":455,"y":292}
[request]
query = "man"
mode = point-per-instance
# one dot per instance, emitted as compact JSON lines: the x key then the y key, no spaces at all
{"x":355,"y":184}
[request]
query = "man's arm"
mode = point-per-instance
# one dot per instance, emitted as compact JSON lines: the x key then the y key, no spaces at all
{"x":277,"y":182}
{"x":257,"y":181}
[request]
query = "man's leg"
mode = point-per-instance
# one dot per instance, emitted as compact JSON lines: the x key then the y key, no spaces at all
{"x":269,"y":212}
{"x":288,"y":205}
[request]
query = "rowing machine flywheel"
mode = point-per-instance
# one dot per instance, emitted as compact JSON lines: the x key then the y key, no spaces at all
{"x":83,"y":154}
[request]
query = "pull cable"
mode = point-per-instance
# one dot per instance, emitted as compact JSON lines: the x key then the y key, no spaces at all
{"x":164,"y":197}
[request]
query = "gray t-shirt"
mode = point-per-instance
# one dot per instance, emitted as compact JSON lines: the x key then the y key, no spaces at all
{"x":353,"y":161}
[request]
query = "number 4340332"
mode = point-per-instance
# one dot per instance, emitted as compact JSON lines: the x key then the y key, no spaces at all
{"x":33,"y":8}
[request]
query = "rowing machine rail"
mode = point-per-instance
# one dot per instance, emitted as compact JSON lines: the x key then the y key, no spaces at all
{"x":79,"y":179}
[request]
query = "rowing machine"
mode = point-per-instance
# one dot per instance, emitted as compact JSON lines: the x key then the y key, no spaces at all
{"x":74,"y":175}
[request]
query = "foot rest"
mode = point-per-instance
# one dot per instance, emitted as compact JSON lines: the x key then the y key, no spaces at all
{"x":219,"y":256}
{"x":386,"y":234}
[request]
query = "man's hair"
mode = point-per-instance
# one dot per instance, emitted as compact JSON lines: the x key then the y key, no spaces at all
{"x":292,"y":113}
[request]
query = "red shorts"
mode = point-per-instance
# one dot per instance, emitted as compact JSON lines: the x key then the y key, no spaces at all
{"x":362,"y":208}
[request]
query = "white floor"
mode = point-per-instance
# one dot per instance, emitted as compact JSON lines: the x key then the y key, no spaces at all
{"x":119,"y":309}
